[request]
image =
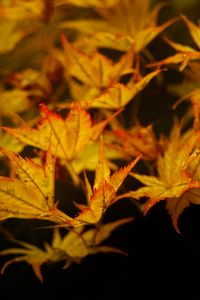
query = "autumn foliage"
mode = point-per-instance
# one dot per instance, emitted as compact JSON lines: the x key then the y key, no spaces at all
{"x":74,"y":75}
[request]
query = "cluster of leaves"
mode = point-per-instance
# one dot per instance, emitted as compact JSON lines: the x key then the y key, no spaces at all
{"x":63,"y":111}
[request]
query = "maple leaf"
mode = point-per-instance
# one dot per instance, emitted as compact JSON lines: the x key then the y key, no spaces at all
{"x":11,"y":34}
{"x":22,"y":9}
{"x":176,"y":205}
{"x":183,"y":56}
{"x":87,"y":3}
{"x":174,"y":177}
{"x":184,"y":53}
{"x":194,"y":98}
{"x":104,"y":190}
{"x":69,"y":136}
{"x":126,"y":29}
{"x":88,"y":158}
{"x":119,"y":95}
{"x":190,"y":82}
{"x":15,"y":100}
{"x":78,"y":243}
{"x":134,"y":141}
{"x":32,"y":82}
{"x":31,"y":254}
{"x":9,"y":142}
{"x":194,"y":30}
{"x":189,"y":89}
{"x":94,"y":69}
{"x":13,"y":27}
{"x":74,"y":246}
{"x":31,"y":194}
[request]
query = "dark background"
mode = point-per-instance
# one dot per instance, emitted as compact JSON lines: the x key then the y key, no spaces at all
{"x":162,"y":264}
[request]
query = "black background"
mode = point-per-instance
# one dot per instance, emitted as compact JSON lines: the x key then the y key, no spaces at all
{"x":162,"y":264}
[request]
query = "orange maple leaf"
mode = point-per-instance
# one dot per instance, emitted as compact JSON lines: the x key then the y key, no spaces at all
{"x":176,"y":181}
{"x":104,"y":190}
{"x":31,"y":193}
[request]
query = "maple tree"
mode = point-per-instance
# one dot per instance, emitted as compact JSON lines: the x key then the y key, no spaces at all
{"x":73,"y":89}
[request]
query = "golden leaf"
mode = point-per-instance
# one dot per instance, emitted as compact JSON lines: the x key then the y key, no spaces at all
{"x":74,"y":246}
{"x":32,"y":9}
{"x":69,"y":136}
{"x":94,"y":70}
{"x":15,"y":100}
{"x":194,"y":30}
{"x":134,"y":141}
{"x":87,"y":3}
{"x":10,"y":143}
{"x":173,"y":178}
{"x":131,"y":23}
{"x":104,"y":190}
{"x":11,"y":34}
{"x":31,"y":195}
{"x":176,"y":205}
{"x":119,"y":95}
{"x":184,"y":52}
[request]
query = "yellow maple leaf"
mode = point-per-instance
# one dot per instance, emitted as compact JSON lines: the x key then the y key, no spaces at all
{"x":183,"y":56}
{"x":194,"y":30}
{"x":31,"y":194}
{"x":134,"y":141}
{"x":31,"y":254}
{"x":87,"y":3}
{"x":94,"y":69}
{"x":191,"y":81}
{"x":9,"y":142}
{"x":33,"y":82}
{"x":104,"y":190}
{"x":194,"y":98}
{"x":174,"y":176}
{"x":69,"y":136}
{"x":88,"y":158}
{"x":11,"y":33}
{"x":74,"y":246}
{"x":131,"y":23}
{"x":176,"y":205}
{"x":22,"y":9}
{"x":119,"y":95}
{"x":15,"y":100}
{"x":184,"y":53}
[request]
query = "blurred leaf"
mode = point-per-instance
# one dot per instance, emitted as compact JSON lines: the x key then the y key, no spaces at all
{"x":71,"y":248}
{"x":14,"y":101}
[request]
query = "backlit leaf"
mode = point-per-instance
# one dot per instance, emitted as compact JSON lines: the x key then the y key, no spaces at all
{"x":104,"y":190}
{"x":88,"y":3}
{"x":22,"y":9}
{"x":176,"y":206}
{"x":174,"y":178}
{"x":69,"y":136}
{"x":13,"y":101}
{"x":31,"y":195}
{"x":194,"y":30}
{"x":135,"y":141}
{"x":94,"y":69}
{"x":131,"y":23}
{"x":10,"y":35}
{"x":71,"y":248}
{"x":118,"y":95}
